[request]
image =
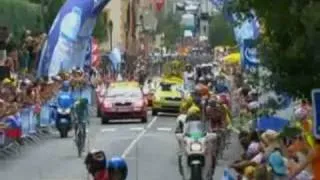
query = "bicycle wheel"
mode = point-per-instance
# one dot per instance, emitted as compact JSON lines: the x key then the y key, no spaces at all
{"x":79,"y":142}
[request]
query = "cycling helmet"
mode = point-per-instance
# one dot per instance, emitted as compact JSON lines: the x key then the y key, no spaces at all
{"x":95,"y":161}
{"x":117,"y":166}
{"x":301,"y":113}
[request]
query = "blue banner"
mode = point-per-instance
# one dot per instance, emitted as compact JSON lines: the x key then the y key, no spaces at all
{"x":249,"y":56}
{"x":69,"y":35}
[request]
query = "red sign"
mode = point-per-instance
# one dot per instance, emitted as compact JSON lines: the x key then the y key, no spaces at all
{"x":159,"y":4}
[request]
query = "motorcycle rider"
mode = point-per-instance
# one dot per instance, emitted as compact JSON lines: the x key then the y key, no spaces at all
{"x":65,"y":99}
{"x":117,"y":168}
{"x":217,"y":124}
{"x":96,"y":164}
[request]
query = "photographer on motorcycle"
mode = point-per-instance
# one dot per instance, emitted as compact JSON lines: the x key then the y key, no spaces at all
{"x":189,"y":77}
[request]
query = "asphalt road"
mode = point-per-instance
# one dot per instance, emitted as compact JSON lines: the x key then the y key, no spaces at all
{"x":150,"y":150}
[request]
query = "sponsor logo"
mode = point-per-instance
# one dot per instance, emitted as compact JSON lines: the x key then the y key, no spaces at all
{"x":251,"y":55}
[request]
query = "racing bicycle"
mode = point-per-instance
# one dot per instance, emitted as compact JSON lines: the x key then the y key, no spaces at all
{"x":80,"y":119}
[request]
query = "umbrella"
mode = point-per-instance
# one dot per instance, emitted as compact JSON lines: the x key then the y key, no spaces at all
{"x":271,"y":122}
{"x":233,"y":58}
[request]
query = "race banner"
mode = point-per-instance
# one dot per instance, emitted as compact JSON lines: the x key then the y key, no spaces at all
{"x":68,"y":38}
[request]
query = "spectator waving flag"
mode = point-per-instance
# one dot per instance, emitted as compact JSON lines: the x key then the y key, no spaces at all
{"x":69,"y":36}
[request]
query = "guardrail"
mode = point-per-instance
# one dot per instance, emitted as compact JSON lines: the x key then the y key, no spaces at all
{"x":31,"y":124}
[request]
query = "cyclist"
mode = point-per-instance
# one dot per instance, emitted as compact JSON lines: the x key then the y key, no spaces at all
{"x":117,"y":168}
{"x":96,"y":164}
{"x":81,"y":111}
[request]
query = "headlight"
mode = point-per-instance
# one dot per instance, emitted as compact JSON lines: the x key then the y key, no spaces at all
{"x":64,"y":111}
{"x":196,"y":147}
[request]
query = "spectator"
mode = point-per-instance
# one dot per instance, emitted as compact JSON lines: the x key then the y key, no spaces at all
{"x":12,"y":60}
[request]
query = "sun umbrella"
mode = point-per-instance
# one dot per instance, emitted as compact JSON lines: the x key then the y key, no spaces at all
{"x":233,"y":58}
{"x":271,"y":122}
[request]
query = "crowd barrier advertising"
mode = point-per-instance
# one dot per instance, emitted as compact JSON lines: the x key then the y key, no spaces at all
{"x":26,"y":122}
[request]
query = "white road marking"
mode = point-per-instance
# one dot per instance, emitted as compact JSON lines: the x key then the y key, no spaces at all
{"x":108,"y":130}
{"x":164,"y":129}
{"x":136,"y":129}
{"x":140,"y":135}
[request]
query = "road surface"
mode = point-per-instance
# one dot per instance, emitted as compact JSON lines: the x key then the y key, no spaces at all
{"x":150,"y":150}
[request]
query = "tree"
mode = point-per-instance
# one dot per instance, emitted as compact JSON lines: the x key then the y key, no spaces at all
{"x":220,"y":32}
{"x":289,"y":45}
{"x":170,"y":26}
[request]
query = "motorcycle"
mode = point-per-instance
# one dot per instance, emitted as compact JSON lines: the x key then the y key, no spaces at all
{"x":196,"y":161}
{"x":63,"y":118}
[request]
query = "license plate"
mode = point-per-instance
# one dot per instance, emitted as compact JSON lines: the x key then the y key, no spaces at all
{"x":123,"y":110}
{"x":64,"y":121}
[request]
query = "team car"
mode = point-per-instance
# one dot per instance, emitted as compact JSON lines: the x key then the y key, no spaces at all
{"x":123,"y":100}
{"x":167,"y":98}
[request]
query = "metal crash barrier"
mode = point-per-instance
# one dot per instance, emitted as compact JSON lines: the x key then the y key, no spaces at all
{"x":31,"y":124}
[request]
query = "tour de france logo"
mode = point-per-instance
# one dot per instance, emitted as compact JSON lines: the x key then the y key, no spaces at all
{"x":251,"y":55}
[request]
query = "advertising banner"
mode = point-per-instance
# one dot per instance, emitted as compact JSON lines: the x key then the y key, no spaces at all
{"x":69,"y":36}
{"x":250,"y":60}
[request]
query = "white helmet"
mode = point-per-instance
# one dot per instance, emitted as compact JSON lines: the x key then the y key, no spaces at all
{"x":301,"y":113}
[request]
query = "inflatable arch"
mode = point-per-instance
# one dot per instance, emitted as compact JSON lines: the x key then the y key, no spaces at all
{"x":70,"y":36}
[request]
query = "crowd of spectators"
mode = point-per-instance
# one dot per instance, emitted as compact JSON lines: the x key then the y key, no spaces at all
{"x":18,"y":61}
{"x":291,"y":153}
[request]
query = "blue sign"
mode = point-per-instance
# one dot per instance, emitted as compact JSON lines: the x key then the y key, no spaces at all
{"x":68,"y":38}
{"x":249,"y":57}
{"x":315,"y":94}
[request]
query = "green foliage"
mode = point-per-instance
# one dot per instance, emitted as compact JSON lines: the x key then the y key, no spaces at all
{"x":289,"y":46}
{"x":100,"y":31}
{"x":19,"y":15}
{"x":170,"y":26}
{"x":220,"y":32}
{"x":53,"y":10}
